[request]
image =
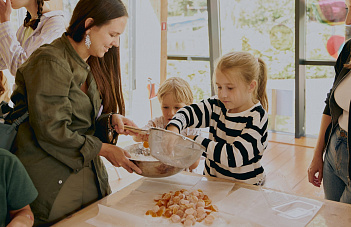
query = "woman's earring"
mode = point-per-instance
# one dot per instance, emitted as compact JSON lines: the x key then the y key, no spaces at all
{"x":87,"y":41}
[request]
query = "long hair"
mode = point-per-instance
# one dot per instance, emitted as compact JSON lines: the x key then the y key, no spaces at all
{"x":34,"y":23}
{"x":250,"y":68}
{"x":106,"y":70}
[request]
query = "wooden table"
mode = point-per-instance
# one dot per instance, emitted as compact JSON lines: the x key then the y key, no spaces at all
{"x":331,"y":214}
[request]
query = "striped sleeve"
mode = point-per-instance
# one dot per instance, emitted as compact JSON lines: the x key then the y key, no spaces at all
{"x":195,"y":115}
{"x":6,"y":33}
{"x":246,"y":146}
{"x":13,"y":52}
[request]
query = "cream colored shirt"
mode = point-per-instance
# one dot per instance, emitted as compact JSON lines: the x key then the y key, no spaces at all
{"x":16,"y":47}
{"x":342,"y":97}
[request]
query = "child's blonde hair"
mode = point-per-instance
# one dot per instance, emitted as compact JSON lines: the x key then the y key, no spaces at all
{"x":179,"y":88}
{"x":250,"y":68}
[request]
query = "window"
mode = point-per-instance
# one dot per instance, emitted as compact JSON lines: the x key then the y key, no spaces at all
{"x":325,"y":29}
{"x":265,"y":29}
{"x":187,"y":32}
{"x":324,"y":33}
{"x":319,"y":80}
{"x":188,"y":45}
{"x":196,"y":73}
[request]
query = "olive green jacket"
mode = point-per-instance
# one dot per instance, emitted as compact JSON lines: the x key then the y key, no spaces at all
{"x":58,"y":139}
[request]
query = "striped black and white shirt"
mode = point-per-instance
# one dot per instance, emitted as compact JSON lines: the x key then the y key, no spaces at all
{"x":236,"y":140}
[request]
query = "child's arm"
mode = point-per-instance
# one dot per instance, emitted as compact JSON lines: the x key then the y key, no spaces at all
{"x":195,"y":115}
{"x":244,"y":149}
{"x":21,"y":217}
{"x":156,"y":122}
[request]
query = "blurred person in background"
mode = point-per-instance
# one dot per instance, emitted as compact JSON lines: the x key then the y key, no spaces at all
{"x":41,"y":25}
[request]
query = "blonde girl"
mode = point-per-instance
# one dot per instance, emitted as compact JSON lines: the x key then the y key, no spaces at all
{"x":237,"y":119}
{"x":173,"y":94}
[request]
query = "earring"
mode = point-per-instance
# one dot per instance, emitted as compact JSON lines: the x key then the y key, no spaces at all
{"x":87,"y":41}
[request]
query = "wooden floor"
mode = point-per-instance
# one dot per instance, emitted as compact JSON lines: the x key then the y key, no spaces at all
{"x":285,"y":161}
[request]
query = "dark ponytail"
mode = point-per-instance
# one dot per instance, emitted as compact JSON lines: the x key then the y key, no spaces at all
{"x":34,"y":23}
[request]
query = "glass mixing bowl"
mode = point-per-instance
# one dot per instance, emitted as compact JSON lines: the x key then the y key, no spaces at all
{"x":150,"y":166}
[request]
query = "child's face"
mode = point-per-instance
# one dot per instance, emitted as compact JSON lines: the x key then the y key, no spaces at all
{"x":236,"y":96}
{"x":16,"y":4}
{"x":169,"y":107}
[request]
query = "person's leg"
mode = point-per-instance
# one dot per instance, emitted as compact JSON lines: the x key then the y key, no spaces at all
{"x":342,"y":171}
{"x":333,"y":185}
{"x":346,"y":196}
{"x":90,"y":189}
{"x":69,"y":199}
{"x":79,"y":190}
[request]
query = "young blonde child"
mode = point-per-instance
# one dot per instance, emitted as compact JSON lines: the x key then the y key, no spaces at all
{"x":173,"y":94}
{"x":236,"y":117}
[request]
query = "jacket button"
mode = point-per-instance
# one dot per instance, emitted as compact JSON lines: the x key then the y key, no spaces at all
{"x":80,"y":84}
{"x":88,"y":67}
{"x":60,"y":181}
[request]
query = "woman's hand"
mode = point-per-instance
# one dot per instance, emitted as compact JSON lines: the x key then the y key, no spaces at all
{"x":118,"y":157}
{"x":191,"y":137}
{"x":348,"y":16}
{"x":194,"y":166}
{"x":348,"y":3}
{"x":316,"y":166}
{"x":5,"y":10}
{"x":118,"y":121}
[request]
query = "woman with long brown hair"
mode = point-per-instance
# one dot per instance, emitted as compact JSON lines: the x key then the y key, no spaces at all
{"x":41,"y":25}
{"x":67,"y":87}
